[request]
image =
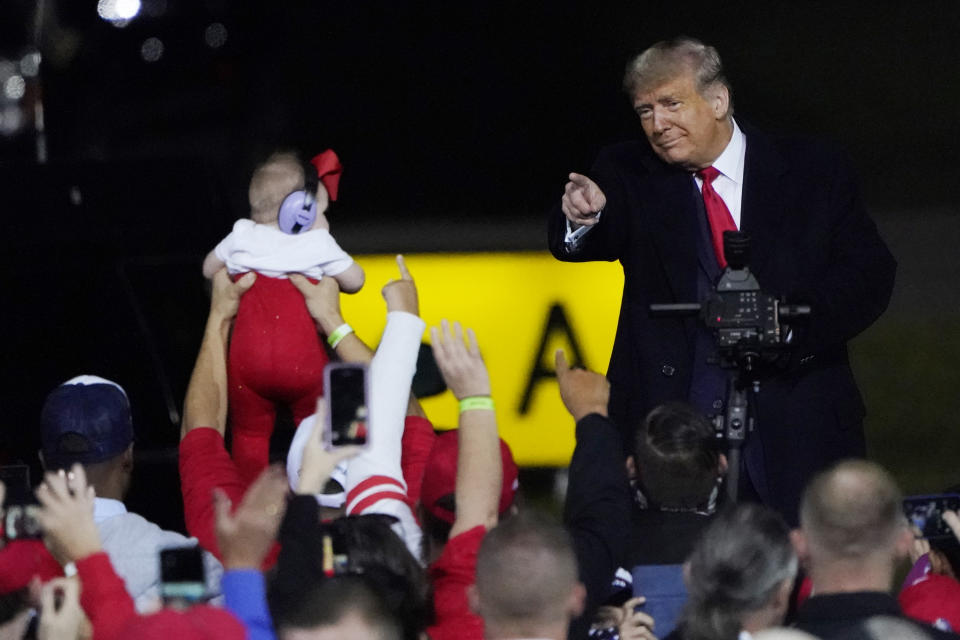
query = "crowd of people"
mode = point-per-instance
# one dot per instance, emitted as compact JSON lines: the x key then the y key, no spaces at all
{"x":417,"y":534}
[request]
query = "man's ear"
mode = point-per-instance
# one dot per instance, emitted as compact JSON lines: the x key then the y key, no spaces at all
{"x":631,"y":466}
{"x":720,"y":101}
{"x":577,"y":600}
{"x":904,"y":542}
{"x":800,"y":544}
{"x":128,"y":458}
{"x":473,"y":599}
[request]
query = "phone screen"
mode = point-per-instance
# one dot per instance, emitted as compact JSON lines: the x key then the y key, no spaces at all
{"x":16,"y":478}
{"x":347,"y":410}
{"x":926,"y":513}
{"x":182,"y":574}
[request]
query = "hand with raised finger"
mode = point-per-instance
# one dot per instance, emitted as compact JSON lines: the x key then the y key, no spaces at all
{"x":401,"y":295}
{"x":60,"y":612}
{"x":636,"y":624}
{"x":582,"y":200}
{"x":225,"y":296}
{"x":66,"y":515}
{"x":246,"y":535}
{"x":583,"y":392}
{"x":322,"y":300}
{"x":318,"y":463}
{"x":460,"y":361}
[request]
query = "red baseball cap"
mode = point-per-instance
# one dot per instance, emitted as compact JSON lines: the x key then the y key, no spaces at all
{"x":934,"y":599}
{"x":440,"y":476}
{"x":328,"y":170}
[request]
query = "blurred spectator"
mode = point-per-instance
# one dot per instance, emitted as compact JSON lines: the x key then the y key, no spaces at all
{"x":739,"y":577}
{"x":641,"y":513}
{"x":931,"y":592}
{"x":852,"y":535}
{"x":66,"y":516}
{"x":87,"y":420}
{"x":470,"y":479}
{"x":527,"y":583}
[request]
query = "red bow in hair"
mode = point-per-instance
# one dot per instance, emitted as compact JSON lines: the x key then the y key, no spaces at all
{"x":328,"y":170}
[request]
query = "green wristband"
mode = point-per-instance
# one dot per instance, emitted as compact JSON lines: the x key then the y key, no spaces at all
{"x":339,"y":334}
{"x":476,"y":402}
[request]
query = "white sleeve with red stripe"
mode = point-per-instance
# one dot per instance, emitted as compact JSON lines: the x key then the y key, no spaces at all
{"x":374,"y":478}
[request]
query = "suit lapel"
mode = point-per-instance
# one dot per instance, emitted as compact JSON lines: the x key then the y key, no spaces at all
{"x":763,"y":201}
{"x":675,"y":232}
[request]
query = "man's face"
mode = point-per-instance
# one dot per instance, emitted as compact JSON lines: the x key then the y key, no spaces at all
{"x":684,"y":128}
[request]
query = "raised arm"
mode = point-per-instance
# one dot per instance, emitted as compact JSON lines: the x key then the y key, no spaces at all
{"x":479,"y":470}
{"x":205,"y":404}
{"x":323,"y":305}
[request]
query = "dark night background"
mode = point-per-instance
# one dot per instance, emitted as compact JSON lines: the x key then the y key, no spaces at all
{"x":456,"y":124}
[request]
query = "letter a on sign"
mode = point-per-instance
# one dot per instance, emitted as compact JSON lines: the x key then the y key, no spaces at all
{"x":556,"y":323}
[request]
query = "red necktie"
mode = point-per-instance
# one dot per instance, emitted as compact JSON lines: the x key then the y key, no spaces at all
{"x":717,"y":213}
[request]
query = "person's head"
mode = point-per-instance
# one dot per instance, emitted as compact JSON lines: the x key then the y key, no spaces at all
{"x":740,"y":574}
{"x":851,"y":519}
{"x":340,"y":607}
{"x":684,"y":101}
{"x":437,"y":494}
{"x":365,"y":545}
{"x":87,"y":420}
{"x":277,"y":177}
{"x":526,"y":581}
{"x":676,"y":460}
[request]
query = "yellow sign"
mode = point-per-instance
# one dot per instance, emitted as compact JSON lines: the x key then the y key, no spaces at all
{"x":522,"y":306}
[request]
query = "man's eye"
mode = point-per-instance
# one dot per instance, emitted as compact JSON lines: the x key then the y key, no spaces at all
{"x":644,"y":113}
{"x":673,"y":105}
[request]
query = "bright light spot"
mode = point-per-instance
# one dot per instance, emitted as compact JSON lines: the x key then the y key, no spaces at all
{"x":11,"y":119}
{"x":127,"y":9}
{"x":14,"y":87}
{"x":118,"y":12}
{"x":30,"y":64}
{"x":215,"y":35}
{"x":152,"y":49}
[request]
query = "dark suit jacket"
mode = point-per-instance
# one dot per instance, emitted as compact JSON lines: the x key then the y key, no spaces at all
{"x":812,"y":241}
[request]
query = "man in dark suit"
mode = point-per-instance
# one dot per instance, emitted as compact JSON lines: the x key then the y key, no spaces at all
{"x":660,"y":207}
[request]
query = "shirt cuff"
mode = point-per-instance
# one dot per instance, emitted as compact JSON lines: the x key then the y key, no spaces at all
{"x":572,"y":237}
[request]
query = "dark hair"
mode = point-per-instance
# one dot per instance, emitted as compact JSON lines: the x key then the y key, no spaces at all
{"x":329,"y":600}
{"x":372,"y":550}
{"x":742,"y":559}
{"x":676,"y":457}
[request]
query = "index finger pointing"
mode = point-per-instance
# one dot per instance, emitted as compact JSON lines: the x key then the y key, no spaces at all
{"x":561,"y":361}
{"x":580,"y":180}
{"x":404,"y":272}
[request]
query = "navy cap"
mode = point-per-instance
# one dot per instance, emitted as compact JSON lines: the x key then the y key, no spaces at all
{"x":85,"y":420}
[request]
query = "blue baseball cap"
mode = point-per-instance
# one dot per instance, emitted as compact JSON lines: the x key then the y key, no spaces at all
{"x":87,"y":420}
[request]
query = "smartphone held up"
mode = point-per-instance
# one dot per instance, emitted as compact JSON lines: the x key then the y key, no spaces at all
{"x":346,"y":393}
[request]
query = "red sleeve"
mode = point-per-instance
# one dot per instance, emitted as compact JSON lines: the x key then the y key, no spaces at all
{"x":451,"y":574}
{"x":104,"y":597}
{"x":418,"y":437}
{"x":205,"y":465}
{"x":20,"y":560}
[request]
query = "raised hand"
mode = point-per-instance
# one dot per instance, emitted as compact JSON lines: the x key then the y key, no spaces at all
{"x":583,"y":392}
{"x":582,"y":200}
{"x":246,"y":535}
{"x":225,"y":298}
{"x":401,"y":295}
{"x":66,"y":515}
{"x":322,"y":300}
{"x":318,"y":463}
{"x":460,"y":362}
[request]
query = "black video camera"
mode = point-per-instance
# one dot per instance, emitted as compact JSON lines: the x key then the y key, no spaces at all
{"x":748,"y":323}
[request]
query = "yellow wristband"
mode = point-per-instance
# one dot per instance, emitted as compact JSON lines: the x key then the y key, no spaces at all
{"x":339,"y":334}
{"x":476,"y":402}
